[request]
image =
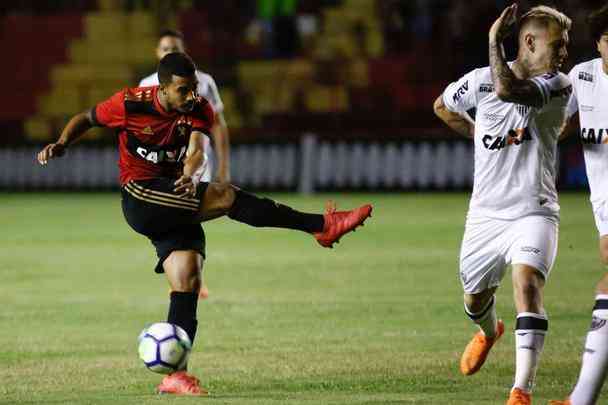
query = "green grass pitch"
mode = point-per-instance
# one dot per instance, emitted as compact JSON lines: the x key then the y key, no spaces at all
{"x":378,"y":320}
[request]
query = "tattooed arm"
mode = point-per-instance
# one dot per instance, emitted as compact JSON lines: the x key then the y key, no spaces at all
{"x":507,"y":86}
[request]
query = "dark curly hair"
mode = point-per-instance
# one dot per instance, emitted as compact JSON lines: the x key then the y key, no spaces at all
{"x":598,"y":22}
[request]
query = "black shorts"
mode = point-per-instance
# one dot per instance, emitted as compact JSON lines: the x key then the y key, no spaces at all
{"x":171,"y":222}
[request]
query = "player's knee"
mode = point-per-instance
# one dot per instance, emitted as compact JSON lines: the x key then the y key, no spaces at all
{"x":527,"y":286}
{"x":477,"y":302}
{"x":220,"y":196}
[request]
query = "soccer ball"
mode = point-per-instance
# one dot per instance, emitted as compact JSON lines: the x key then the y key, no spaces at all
{"x":164,"y":347}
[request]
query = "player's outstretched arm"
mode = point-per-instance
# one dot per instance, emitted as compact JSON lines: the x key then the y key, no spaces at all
{"x":507,"y":86}
{"x":76,"y":127}
{"x":453,"y":120}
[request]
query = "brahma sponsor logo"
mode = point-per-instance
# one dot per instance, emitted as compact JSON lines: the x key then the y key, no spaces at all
{"x":514,"y":137}
{"x":461,"y":91}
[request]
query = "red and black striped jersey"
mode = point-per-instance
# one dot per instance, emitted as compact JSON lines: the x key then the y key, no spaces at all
{"x":152,"y":141}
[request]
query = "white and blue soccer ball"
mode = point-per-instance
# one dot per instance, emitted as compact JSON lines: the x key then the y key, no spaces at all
{"x":164,"y":347}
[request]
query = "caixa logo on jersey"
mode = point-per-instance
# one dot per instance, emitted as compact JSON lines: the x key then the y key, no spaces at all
{"x":157,"y":154}
{"x":514,"y":137}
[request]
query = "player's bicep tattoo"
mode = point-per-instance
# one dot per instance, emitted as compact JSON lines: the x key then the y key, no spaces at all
{"x":508,"y":87}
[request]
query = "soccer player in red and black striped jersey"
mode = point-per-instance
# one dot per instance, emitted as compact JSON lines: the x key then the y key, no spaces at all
{"x":160,"y":131}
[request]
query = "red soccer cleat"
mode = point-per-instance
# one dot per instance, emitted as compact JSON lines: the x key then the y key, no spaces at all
{"x":338,"y":223}
{"x":181,"y":383}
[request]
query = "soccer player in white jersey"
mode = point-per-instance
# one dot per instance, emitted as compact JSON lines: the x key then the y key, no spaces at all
{"x":172,"y":41}
{"x":590,"y":99}
{"x":513,"y":213}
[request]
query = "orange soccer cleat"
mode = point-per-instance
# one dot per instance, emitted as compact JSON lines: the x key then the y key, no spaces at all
{"x":338,"y":223}
{"x":519,"y":397}
{"x":477,"y":350}
{"x":181,"y":383}
{"x":564,"y":402}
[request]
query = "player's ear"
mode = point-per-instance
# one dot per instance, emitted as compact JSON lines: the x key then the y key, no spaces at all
{"x":597,"y":45}
{"x":529,"y":41}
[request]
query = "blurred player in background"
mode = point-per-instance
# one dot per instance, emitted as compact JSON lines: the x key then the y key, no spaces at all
{"x":161,"y":132}
{"x":590,"y":99}
{"x":173,"y":41}
{"x":513,"y":213}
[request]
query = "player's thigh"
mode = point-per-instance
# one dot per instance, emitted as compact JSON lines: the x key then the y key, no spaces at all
{"x":534,"y":244}
{"x":183,"y":269}
{"x":482,"y":261}
{"x":603,"y":249}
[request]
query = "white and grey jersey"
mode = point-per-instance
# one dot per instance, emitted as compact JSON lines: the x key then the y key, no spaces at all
{"x":206,"y":88}
{"x":590,"y":100}
{"x":515,"y":145}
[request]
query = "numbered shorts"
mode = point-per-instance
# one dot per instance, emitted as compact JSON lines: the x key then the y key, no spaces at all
{"x":490,"y":245}
{"x":600,"y":213}
{"x":170,"y":222}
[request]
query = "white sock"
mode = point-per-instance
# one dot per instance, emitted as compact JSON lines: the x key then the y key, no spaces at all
{"x":529,"y":341}
{"x":486,"y":318}
{"x":595,"y":357}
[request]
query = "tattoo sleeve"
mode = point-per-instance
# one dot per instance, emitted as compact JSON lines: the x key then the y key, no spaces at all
{"x":508,"y":87}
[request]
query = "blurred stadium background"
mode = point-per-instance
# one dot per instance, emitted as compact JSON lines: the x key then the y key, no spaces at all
{"x":319,"y":94}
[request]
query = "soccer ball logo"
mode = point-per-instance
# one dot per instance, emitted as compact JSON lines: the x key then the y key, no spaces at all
{"x":164,"y":347}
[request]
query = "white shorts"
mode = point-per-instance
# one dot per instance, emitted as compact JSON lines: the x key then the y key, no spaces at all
{"x":207,"y":169}
{"x":600,"y":212}
{"x":489,"y":245}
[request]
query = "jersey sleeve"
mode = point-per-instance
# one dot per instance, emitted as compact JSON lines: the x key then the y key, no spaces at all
{"x":213,"y":95}
{"x":203,"y":118}
{"x":111,"y":112}
{"x":572,"y":107}
{"x":148,"y":81}
{"x":461,"y":96}
{"x":553,"y":86}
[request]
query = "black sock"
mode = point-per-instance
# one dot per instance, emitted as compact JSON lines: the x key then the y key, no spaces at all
{"x":256,"y":211}
{"x":182,"y":312}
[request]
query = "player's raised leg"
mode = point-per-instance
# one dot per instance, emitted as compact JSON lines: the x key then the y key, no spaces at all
{"x":481,"y":309}
{"x":239,"y":205}
{"x":530,"y":330}
{"x":183,"y":270}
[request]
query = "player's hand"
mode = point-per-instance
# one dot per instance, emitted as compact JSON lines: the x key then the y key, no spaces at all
{"x":503,"y":26}
{"x":185,"y":187}
{"x":51,"y":151}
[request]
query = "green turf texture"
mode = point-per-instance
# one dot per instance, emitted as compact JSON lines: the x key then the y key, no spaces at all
{"x":377,"y":320}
